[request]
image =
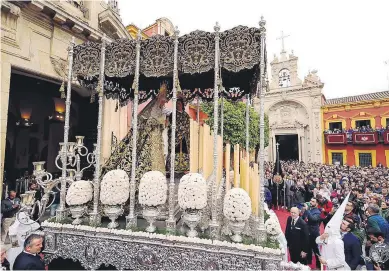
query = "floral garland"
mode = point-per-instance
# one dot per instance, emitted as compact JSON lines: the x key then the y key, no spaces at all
{"x":237,"y":205}
{"x":153,"y":189}
{"x":173,"y":238}
{"x":192,"y":192}
{"x":115,"y":187}
{"x":79,"y":193}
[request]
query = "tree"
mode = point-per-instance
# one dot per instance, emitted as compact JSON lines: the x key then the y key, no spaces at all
{"x":235,"y":123}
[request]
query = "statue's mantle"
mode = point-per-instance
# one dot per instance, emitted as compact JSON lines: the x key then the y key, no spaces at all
{"x":93,"y":249}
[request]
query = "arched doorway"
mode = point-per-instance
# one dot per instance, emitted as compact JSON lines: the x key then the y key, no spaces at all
{"x":288,"y":121}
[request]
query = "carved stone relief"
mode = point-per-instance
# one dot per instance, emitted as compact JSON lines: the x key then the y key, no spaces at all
{"x":287,"y":114}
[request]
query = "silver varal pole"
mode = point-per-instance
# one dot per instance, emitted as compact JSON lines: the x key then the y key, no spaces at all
{"x":95,"y":218}
{"x":214,"y":225}
{"x":261,"y":227}
{"x":171,"y":222}
{"x":61,"y":211}
{"x":222,"y":115}
{"x":247,"y":123}
{"x":131,"y":218}
{"x":198,"y":133}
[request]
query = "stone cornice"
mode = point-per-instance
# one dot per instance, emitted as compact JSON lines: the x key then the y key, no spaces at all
{"x":62,"y":16}
{"x":290,"y":90}
{"x":107,"y":19}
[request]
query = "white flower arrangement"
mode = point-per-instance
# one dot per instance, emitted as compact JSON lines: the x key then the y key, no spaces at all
{"x":153,"y":189}
{"x":115,"y":188}
{"x":237,"y":205}
{"x":79,"y":193}
{"x":172,"y":238}
{"x":272,"y":226}
{"x":192,"y":192}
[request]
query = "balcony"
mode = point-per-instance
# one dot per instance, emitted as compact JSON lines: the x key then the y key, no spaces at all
{"x":336,"y":139}
{"x":366,"y":138}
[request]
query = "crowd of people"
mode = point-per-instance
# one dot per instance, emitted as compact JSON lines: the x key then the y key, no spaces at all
{"x":350,"y":202}
{"x":362,"y":129}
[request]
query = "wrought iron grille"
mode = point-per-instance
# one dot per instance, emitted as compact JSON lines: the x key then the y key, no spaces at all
{"x":337,"y":157}
{"x":365,"y":159}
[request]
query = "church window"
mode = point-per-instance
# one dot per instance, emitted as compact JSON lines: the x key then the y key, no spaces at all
{"x":387,"y":122}
{"x":365,"y":159}
{"x":361,"y":123}
{"x":337,"y":158}
{"x":284,"y":78}
{"x":336,"y":125}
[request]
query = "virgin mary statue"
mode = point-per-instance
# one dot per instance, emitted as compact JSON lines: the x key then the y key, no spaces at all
{"x":150,"y":144}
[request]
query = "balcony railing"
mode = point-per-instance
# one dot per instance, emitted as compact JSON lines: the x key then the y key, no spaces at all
{"x":357,"y":138}
{"x":336,"y":139}
{"x":366,"y":138}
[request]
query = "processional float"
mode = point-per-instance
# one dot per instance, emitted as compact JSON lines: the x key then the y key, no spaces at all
{"x":201,"y":65}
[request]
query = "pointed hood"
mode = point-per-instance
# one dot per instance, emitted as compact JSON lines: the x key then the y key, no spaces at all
{"x":333,"y":226}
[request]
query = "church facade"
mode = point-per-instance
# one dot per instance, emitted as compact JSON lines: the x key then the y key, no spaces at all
{"x":35,"y":36}
{"x":293,"y":108}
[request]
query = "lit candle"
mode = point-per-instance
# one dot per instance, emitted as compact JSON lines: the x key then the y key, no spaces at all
{"x":80,"y":140}
{"x":62,"y":147}
{"x":227,"y":162}
{"x":38,"y":166}
{"x":236,"y":166}
{"x":71,"y":146}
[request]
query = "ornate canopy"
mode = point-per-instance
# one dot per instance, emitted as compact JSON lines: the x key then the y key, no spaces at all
{"x":239,"y":64}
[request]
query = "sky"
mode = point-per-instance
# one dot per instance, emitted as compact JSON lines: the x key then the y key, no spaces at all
{"x":346,"y":41}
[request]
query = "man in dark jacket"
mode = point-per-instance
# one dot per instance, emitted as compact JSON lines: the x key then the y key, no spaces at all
{"x":9,"y":208}
{"x":311,"y":216}
{"x":29,"y":259}
{"x":352,"y":246}
{"x":297,"y":237}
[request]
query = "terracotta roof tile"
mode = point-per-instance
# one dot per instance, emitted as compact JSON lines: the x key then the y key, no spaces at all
{"x":358,"y":98}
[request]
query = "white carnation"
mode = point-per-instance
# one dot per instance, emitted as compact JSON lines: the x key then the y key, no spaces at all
{"x":192,"y":192}
{"x":153,"y":189}
{"x":115,"y":187}
{"x":80,"y":192}
{"x":272,"y":226}
{"x":237,"y":205}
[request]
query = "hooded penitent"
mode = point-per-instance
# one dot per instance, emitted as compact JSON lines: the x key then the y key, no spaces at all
{"x":333,"y":226}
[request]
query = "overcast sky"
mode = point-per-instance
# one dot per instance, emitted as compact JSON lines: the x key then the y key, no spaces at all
{"x":346,"y":41}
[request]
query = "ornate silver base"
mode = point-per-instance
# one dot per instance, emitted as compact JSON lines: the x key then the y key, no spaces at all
{"x":61,"y":214}
{"x":94,"y":219}
{"x":77,"y":212}
{"x":131,"y":221}
{"x":261,"y":233}
{"x":171,"y":225}
{"x":214,"y":230}
{"x":237,"y":228}
{"x":150,"y":213}
{"x":94,"y":248}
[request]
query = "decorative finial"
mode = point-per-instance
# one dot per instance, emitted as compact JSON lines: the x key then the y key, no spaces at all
{"x":217,"y":27}
{"x":262,"y":22}
{"x":139,"y":35}
{"x":176,"y":32}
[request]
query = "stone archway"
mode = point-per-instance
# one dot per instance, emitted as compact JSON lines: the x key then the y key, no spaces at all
{"x":289,"y":118}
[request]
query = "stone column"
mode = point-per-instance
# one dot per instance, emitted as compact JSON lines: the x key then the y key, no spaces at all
{"x":317,"y":136}
{"x":4,"y":98}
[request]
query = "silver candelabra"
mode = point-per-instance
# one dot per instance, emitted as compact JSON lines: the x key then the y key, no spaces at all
{"x":75,"y":151}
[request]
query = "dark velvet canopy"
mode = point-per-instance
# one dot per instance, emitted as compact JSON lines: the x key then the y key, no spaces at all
{"x":239,"y":65}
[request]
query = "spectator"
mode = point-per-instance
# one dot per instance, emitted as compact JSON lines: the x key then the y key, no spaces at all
{"x":9,"y":208}
{"x":29,"y":259}
{"x":352,"y":246}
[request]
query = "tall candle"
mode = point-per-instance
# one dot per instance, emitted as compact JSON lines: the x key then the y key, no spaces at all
{"x":236,"y":166}
{"x":227,"y":161}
